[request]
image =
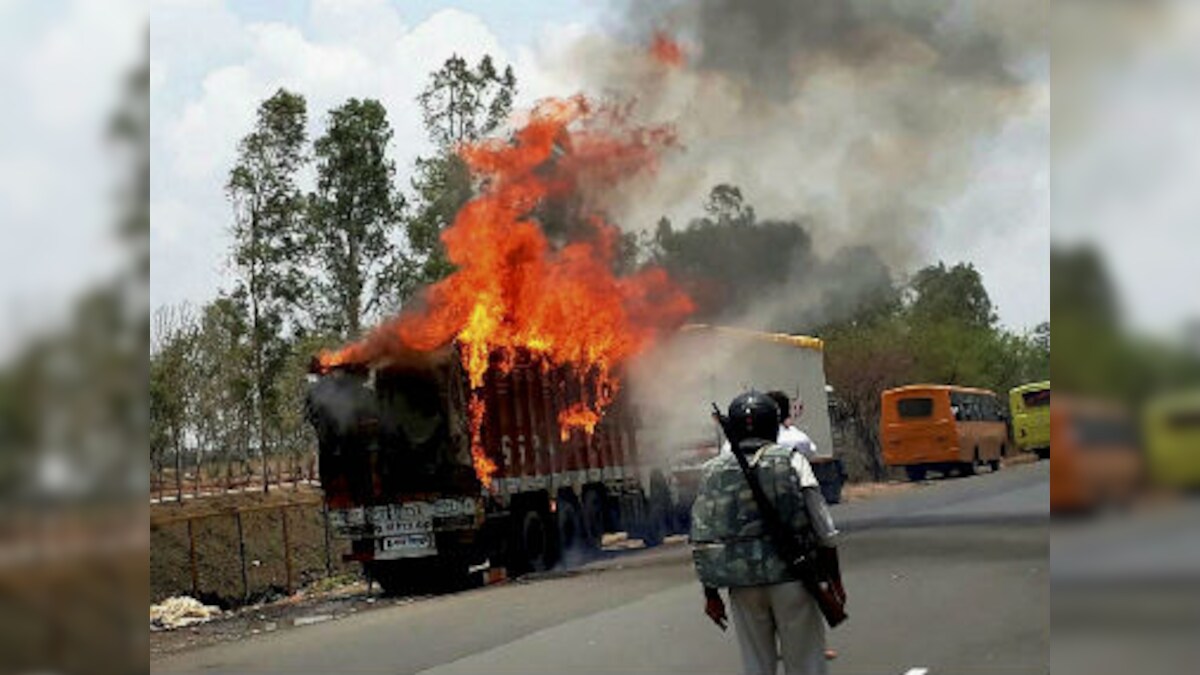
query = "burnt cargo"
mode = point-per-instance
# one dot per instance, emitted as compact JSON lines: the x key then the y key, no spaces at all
{"x":396,"y":465}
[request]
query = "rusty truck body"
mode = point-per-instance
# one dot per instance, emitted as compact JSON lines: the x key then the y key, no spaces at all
{"x":395,"y":442}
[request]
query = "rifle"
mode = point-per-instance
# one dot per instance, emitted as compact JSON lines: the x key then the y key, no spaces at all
{"x":800,"y":558}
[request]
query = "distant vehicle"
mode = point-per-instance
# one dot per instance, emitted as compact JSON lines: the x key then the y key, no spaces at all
{"x":1030,"y":406}
{"x":397,"y":469}
{"x":1097,"y":461}
{"x":942,"y":428}
{"x":1171,"y":426}
{"x":708,"y":364}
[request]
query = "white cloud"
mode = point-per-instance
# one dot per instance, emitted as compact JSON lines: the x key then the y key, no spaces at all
{"x":359,"y":49}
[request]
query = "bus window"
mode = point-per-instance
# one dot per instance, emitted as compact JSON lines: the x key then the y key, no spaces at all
{"x":1036,"y":399}
{"x":910,"y":408}
{"x":1188,"y":420}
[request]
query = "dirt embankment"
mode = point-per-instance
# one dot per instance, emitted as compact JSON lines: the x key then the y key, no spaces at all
{"x":219,"y":546}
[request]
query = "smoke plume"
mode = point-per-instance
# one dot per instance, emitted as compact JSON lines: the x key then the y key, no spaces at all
{"x":861,"y":118}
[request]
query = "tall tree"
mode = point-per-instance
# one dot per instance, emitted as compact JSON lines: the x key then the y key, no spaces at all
{"x":267,"y":207}
{"x":459,"y":104}
{"x":224,"y":389}
{"x":725,"y":205}
{"x":729,"y":260}
{"x":354,"y":214}
{"x":955,"y":293}
{"x":172,"y":363}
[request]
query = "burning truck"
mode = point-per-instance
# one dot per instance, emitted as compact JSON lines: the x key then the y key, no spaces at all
{"x":488,"y":424}
{"x":400,"y":481}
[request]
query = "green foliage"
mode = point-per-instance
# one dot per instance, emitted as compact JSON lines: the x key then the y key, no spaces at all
{"x":459,"y":104}
{"x":443,"y":185}
{"x":729,"y":260}
{"x":353,"y":216}
{"x":726,"y":206}
{"x":1081,"y":290}
{"x":267,"y":254}
{"x":954,"y":293}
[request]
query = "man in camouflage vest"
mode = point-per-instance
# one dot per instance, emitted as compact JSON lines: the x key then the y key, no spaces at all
{"x":732,"y":549}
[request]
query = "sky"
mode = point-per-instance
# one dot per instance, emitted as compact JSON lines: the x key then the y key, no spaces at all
{"x":213,"y":62}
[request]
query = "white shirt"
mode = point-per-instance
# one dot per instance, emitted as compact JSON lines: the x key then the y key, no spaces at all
{"x":799,"y":456}
{"x":797,"y":440}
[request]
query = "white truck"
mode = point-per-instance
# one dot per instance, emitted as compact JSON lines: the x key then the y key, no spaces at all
{"x":676,"y":386}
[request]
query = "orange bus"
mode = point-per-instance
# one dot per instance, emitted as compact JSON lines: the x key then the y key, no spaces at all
{"x":1097,"y":460}
{"x":942,"y":428}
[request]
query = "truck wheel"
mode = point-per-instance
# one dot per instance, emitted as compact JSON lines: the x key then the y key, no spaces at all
{"x":533,"y":541}
{"x":570,"y":531}
{"x":593,"y":519}
{"x":653,"y":530}
{"x":660,"y":505}
{"x":916,"y":474}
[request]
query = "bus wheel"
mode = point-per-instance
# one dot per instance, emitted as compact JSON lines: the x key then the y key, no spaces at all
{"x":916,"y":474}
{"x":968,"y":468}
{"x":995,"y":463}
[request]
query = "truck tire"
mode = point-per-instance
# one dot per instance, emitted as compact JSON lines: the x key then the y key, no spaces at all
{"x":532,"y":551}
{"x":593,"y":519}
{"x":570,"y":531}
{"x":660,"y":510}
{"x":654,"y":524}
{"x":915,"y":473}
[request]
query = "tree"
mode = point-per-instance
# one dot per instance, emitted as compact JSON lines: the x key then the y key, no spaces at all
{"x":224,"y":390}
{"x":459,"y":104}
{"x":955,"y":293}
{"x":353,"y":215}
{"x":171,"y":390}
{"x":729,"y":261}
{"x":267,"y":206}
{"x":725,"y":205}
{"x":1081,"y":288}
{"x":464,"y":104}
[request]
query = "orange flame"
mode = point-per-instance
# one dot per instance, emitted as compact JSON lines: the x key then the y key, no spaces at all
{"x":666,"y":50}
{"x":578,"y":416}
{"x":484,"y":466}
{"x":513,"y":289}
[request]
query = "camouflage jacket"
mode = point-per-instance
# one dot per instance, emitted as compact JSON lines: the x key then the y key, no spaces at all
{"x":730,"y":545}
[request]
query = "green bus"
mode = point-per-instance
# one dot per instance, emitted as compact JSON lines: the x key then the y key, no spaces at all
{"x":1030,"y":407}
{"x":1171,"y":431}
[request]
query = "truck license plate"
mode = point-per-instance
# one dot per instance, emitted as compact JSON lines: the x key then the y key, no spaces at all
{"x":407,"y":546}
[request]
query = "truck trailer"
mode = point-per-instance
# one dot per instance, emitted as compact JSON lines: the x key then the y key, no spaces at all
{"x":401,"y":482}
{"x":704,"y":364}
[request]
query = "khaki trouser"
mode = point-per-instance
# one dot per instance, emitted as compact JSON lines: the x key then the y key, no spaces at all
{"x":762,"y":613}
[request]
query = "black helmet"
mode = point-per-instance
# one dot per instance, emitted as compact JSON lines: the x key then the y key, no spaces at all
{"x":752,"y":415}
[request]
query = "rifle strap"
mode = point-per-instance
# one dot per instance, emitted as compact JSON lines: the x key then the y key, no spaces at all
{"x":766,"y":510}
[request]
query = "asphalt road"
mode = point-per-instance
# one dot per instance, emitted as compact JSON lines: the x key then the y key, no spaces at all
{"x":951,"y":578}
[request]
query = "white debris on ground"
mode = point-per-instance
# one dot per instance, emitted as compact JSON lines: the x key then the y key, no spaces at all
{"x":180,"y":611}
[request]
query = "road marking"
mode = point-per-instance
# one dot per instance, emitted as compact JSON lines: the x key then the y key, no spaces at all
{"x":917,"y":671}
